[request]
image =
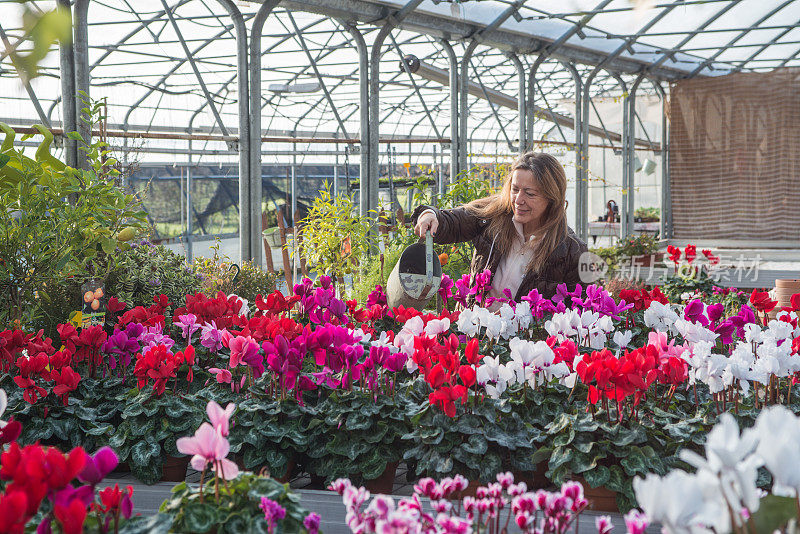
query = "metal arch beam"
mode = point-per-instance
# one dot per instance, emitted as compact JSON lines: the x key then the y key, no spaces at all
{"x":314,"y":67}
{"x":363,"y":108}
{"x":249,"y":212}
{"x":582,"y":190}
{"x":254,"y":110}
{"x":544,"y":54}
{"x":190,"y":58}
{"x":392,"y":20}
{"x":68,"y":103}
{"x":454,"y":88}
{"x":708,"y":61}
{"x":82,"y":80}
{"x":463,"y":96}
{"x":441,"y":26}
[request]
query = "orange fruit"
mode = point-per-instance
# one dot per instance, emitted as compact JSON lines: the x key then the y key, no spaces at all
{"x":98,"y":293}
{"x":88,"y":297}
{"x":443,"y":258}
{"x":95,"y":304}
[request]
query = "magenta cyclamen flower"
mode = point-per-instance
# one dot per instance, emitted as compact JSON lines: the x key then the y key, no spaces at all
{"x":98,"y":466}
{"x":273,"y":512}
{"x":120,"y":345}
{"x":603,"y":524}
{"x":695,"y":312}
{"x":462,"y":290}
{"x":378,"y":296}
{"x":311,"y":522}
{"x":446,"y":288}
{"x":242,"y":348}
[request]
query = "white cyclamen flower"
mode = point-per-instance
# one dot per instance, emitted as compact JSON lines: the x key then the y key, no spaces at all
{"x":779,"y":449}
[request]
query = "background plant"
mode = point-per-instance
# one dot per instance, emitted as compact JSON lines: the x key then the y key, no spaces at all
{"x":331,"y":226}
{"x":47,"y":239}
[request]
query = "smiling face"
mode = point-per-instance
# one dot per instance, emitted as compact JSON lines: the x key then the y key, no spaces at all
{"x":527,"y":201}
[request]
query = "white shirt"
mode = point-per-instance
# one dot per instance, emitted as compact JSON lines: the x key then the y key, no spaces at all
{"x":512,"y":268}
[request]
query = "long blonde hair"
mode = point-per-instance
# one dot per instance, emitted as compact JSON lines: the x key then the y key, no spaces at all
{"x":551,"y":182}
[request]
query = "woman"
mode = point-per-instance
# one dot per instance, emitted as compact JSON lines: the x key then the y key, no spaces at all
{"x":520,"y":234}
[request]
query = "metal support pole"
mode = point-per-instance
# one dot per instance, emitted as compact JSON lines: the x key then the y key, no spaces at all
{"x":364,"y":110}
{"x":522,"y":107}
{"x":454,"y":89}
{"x":189,"y":211}
{"x":463,"y":102}
{"x":81,"y":51}
{"x":254,"y":111}
{"x":68,"y":105}
{"x":632,"y":152}
{"x":666,"y":192}
{"x":336,"y":173}
{"x":295,"y":257}
{"x":530,"y":115}
{"x":374,"y":98}
{"x":625,"y":229}
{"x":576,"y":77}
{"x":249,"y":185}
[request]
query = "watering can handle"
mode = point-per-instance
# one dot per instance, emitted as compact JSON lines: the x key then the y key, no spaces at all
{"x":428,"y":263}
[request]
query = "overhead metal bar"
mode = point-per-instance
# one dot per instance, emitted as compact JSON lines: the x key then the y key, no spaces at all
{"x":193,"y":64}
{"x":708,"y":61}
{"x":476,"y":37}
{"x":500,"y":38}
{"x":407,"y":70}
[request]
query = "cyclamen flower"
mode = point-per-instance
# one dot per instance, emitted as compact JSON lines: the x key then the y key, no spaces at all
{"x":636,"y":522}
{"x":209,"y":446}
{"x":273,"y":512}
{"x":188,"y":325}
{"x":98,"y":466}
{"x":211,"y":336}
{"x":311,"y":522}
{"x":220,"y":419}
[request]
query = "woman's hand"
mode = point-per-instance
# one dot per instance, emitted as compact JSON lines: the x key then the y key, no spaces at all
{"x":426,"y":221}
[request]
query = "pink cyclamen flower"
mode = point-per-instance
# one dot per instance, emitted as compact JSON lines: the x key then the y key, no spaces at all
{"x":188,"y":325}
{"x":220,"y":419}
{"x":208,"y":446}
{"x":211,"y":336}
{"x":505,"y":479}
{"x":603,"y":524}
{"x":636,"y":522}
{"x":223,"y":376}
{"x":242,"y":348}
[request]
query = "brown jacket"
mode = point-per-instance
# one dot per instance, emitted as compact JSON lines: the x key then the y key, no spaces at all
{"x":457,"y":225}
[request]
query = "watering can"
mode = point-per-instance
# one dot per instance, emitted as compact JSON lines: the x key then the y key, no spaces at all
{"x":416,"y":276}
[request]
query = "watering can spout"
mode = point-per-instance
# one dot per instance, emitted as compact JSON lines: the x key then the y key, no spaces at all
{"x":416,"y":277}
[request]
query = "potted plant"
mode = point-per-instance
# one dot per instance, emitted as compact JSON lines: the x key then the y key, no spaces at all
{"x":641,"y":249}
{"x":152,"y":417}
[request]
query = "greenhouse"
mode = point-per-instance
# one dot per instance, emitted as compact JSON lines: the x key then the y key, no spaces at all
{"x":416,"y":266}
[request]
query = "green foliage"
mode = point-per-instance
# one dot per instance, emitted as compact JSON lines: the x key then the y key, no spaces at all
{"x":687,"y":281}
{"x":331,"y":227}
{"x":47,"y":238}
{"x":637,"y":245}
{"x":232,"y":507}
{"x":371,"y":272}
{"x":219,"y":273}
{"x":146,"y":270}
{"x":652,"y":213}
{"x":485,"y":439}
{"x":356,"y":435}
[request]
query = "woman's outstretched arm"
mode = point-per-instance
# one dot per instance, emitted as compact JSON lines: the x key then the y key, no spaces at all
{"x":452,"y":225}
